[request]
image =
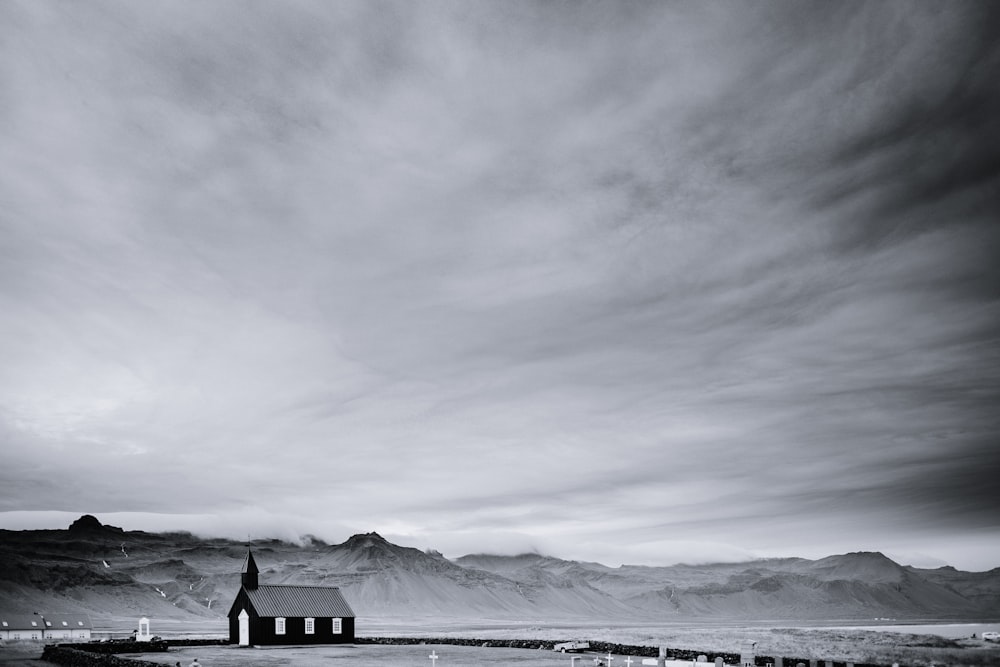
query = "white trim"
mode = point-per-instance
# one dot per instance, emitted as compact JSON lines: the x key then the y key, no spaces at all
{"x":244,"y":627}
{"x":279,"y":625}
{"x":310,"y":626}
{"x":338,"y":626}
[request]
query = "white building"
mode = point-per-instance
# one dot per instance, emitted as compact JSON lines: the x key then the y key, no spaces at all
{"x":39,"y":627}
{"x":68,"y":627}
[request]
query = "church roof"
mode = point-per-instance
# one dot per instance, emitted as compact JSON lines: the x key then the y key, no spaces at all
{"x":299,"y":602}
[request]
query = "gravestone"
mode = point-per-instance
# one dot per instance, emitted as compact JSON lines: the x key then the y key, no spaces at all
{"x":779,"y":662}
{"x":702,"y":658}
{"x":719,"y":662}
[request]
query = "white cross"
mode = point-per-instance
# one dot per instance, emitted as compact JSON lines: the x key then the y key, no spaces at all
{"x":433,"y":656}
{"x":609,"y":658}
{"x":628,"y":661}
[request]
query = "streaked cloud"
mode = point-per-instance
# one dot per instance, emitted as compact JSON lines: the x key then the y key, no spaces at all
{"x":688,"y":279}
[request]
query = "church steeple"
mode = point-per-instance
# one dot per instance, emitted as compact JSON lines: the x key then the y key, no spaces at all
{"x":248,"y":576}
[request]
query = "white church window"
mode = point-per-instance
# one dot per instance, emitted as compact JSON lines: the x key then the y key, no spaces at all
{"x":310,"y":626}
{"x":336,"y":626}
{"x":279,"y":626}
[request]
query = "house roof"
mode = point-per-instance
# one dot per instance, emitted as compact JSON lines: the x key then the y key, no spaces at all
{"x":68,"y":622}
{"x":299,"y":601}
{"x":20,"y":621}
{"x":52,"y":621}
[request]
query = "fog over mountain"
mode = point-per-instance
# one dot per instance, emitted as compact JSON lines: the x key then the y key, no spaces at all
{"x":109,"y":572}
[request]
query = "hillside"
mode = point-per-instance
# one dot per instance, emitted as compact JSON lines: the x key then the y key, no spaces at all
{"x":105,"y":571}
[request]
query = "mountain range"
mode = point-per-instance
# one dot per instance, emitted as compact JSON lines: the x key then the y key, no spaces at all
{"x":104,"y":570}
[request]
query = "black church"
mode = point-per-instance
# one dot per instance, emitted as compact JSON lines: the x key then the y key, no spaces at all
{"x":287,"y":615}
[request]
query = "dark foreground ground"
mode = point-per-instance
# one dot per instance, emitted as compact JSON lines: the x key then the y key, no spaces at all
{"x":841,"y":645}
{"x":331,"y":656}
{"x":21,"y":655}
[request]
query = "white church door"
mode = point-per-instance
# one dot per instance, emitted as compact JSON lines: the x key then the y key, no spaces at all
{"x":244,"y":628}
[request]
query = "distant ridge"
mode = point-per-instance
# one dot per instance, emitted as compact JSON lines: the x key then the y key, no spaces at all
{"x":103,"y":570}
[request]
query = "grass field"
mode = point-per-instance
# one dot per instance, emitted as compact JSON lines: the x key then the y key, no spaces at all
{"x":367,"y":656}
{"x":840,"y":644}
{"x":373,"y":655}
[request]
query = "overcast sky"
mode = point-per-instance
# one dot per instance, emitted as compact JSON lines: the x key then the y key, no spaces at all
{"x":638,"y":282}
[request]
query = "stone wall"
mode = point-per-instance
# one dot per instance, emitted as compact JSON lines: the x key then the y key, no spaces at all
{"x":108,"y":648}
{"x":73,"y":657}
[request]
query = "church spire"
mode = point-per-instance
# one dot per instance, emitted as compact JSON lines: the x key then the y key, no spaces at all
{"x":248,"y":576}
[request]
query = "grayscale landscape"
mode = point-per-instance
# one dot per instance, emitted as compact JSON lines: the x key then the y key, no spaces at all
{"x":821,"y":608}
{"x":649,"y":323}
